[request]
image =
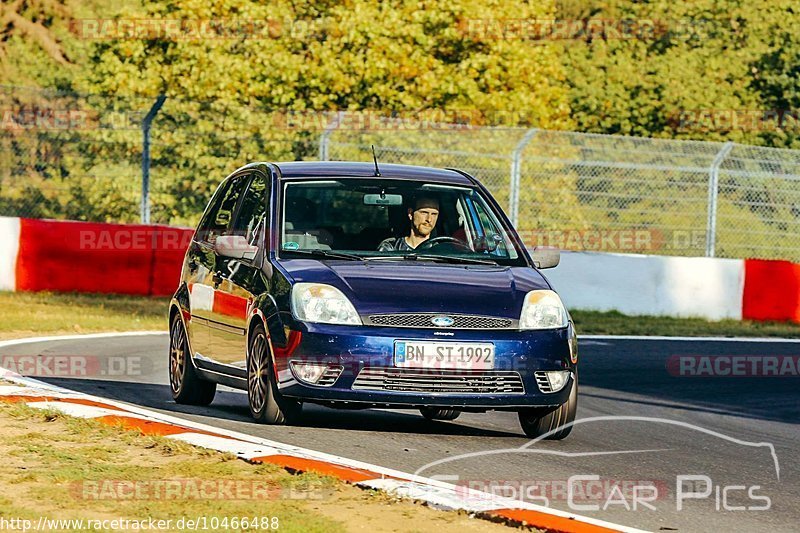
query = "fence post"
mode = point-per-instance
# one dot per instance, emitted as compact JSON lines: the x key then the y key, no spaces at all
{"x":713,"y":194}
{"x":325,"y":138}
{"x":516,"y":174}
{"x":148,"y":120}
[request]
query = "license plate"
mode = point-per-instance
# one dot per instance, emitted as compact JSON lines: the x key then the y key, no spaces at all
{"x":460,"y":355}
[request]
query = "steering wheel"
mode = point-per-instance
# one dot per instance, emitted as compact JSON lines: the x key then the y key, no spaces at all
{"x":444,"y":239}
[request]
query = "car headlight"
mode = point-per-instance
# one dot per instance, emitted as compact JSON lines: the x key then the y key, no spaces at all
{"x":543,"y":309}
{"x":317,"y":302}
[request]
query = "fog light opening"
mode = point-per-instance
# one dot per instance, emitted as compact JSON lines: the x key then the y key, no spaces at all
{"x":316,"y":373}
{"x":557,"y":379}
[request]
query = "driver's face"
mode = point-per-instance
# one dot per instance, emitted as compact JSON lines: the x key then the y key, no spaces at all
{"x":424,"y":220}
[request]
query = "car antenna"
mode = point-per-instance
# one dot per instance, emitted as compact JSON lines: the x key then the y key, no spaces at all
{"x":375,"y":158}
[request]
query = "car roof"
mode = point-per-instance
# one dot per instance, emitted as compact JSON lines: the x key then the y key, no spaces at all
{"x":317,"y":169}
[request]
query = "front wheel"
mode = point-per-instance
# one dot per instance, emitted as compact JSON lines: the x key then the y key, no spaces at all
{"x":536,"y":423}
{"x":266,"y":403}
{"x":186,"y":386}
{"x":431,"y":413}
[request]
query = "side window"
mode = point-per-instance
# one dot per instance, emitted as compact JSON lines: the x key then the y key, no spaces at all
{"x":220,"y":213}
{"x":488,"y":226}
{"x":497,"y":239}
{"x":254,"y":207}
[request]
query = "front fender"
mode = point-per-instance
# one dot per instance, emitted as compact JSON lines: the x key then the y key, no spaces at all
{"x":265,"y":311}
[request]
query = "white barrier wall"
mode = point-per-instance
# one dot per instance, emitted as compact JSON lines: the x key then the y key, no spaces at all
{"x":9,"y":248}
{"x":650,"y":285}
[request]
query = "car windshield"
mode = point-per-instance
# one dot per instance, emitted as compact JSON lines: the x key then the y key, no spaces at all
{"x":384,"y":219}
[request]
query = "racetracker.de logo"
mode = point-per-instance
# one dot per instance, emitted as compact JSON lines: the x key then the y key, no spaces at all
{"x":534,"y":29}
{"x":180,"y":29}
{"x":46,"y":118}
{"x":74,"y":366}
{"x":122,"y":239}
{"x":744,"y":120}
{"x":636,"y":240}
{"x":587,"y":29}
{"x":463,"y":119}
{"x":196,"y":489}
{"x":733,"y":366}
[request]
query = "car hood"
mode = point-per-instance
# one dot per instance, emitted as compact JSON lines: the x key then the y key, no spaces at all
{"x":394,"y":287}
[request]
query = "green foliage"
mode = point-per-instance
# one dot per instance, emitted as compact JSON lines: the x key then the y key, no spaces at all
{"x":776,"y":77}
{"x":235,"y":96}
{"x":314,"y":57}
{"x":386,"y":56}
{"x":701,"y":59}
{"x":248,"y":81}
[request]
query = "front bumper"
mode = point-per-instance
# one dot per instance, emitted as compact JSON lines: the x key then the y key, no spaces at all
{"x":359,"y":348}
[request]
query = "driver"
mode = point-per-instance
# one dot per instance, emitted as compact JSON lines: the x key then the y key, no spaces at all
{"x":423,"y":219}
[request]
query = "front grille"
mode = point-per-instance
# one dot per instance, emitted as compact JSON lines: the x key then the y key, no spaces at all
{"x":542,"y":381}
{"x":439,"y":381}
{"x":423,"y":320}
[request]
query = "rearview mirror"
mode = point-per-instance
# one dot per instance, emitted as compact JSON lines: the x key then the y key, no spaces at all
{"x":383,"y":199}
{"x":546,"y":257}
{"x":235,"y":247}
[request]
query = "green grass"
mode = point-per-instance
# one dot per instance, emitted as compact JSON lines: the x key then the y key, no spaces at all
{"x":35,"y":313}
{"x":614,"y":323}
{"x":54,"y":466}
{"x":28,"y":314}
{"x":62,"y":453}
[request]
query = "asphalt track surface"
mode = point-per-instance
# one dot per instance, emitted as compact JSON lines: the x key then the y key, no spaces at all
{"x":673,"y":426}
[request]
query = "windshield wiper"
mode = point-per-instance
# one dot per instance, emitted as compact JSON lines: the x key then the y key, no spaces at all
{"x":432,"y":257}
{"x":330,"y":254}
{"x":454,"y":259}
{"x":326,"y":254}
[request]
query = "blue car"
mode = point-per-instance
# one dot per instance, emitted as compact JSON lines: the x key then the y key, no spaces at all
{"x":358,"y":285}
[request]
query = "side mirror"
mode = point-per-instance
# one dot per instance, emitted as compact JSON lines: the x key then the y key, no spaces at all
{"x":546,"y":256}
{"x":235,"y":247}
{"x":488,"y":244}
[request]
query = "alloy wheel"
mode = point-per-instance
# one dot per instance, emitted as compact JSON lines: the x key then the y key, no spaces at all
{"x":257,"y":377}
{"x":177,"y":356}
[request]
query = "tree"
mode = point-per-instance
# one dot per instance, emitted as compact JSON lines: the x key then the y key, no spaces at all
{"x":248,"y":81}
{"x":685,"y":71}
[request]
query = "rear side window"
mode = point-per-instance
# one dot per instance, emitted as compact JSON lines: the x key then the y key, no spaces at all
{"x":219,"y":216}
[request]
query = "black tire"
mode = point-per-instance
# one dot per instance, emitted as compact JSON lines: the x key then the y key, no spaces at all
{"x":536,"y":422}
{"x":186,"y":386}
{"x":432,"y":413}
{"x":267,"y":406}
